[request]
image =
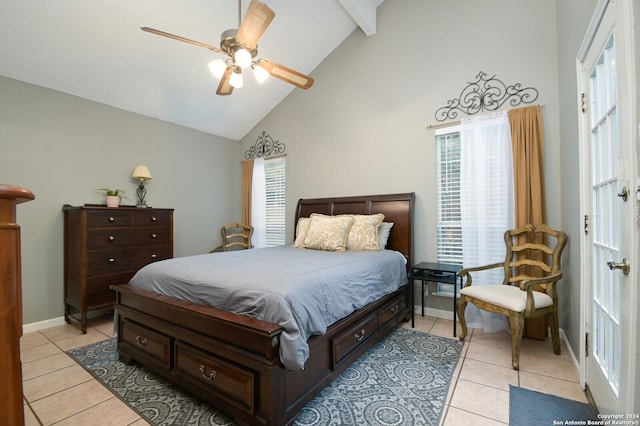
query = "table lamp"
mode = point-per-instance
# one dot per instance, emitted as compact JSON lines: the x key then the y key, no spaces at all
{"x":141,"y":173}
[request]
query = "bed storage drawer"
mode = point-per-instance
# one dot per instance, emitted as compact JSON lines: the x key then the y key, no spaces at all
{"x":231,"y":383}
{"x":147,"y":342}
{"x":346,"y":342}
{"x":390,"y":310}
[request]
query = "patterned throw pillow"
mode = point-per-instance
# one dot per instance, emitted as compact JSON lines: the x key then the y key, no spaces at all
{"x":364,"y":232}
{"x":328,"y":232}
{"x":301,"y":231}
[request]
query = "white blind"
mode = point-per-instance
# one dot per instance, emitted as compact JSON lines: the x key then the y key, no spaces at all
{"x":449,"y":229}
{"x":274,"y":170}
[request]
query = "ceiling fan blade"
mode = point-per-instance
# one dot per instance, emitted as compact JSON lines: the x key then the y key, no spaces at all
{"x":256,"y":21}
{"x":286,"y":74}
{"x":180,"y":38}
{"x":225,"y":87}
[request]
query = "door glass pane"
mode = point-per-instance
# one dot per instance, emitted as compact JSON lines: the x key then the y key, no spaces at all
{"x":605,"y":212}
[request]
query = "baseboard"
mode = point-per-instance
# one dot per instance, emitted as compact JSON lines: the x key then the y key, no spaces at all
{"x":574,"y":359}
{"x":437,"y":313}
{"x":41,"y":325}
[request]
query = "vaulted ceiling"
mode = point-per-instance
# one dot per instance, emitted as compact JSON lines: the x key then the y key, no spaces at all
{"x":96,"y":50}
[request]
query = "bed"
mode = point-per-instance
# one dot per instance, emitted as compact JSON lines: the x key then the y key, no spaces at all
{"x":233,"y":360}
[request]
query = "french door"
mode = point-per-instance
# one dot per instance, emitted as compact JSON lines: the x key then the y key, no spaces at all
{"x":608,"y":174}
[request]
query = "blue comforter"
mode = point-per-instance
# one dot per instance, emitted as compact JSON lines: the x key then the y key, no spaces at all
{"x":304,"y":291}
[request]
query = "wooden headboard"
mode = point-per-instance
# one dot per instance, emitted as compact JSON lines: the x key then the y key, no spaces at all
{"x":397,"y":208}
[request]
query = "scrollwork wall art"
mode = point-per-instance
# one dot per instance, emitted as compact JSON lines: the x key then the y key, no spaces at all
{"x":265,"y":146}
{"x":486,"y":94}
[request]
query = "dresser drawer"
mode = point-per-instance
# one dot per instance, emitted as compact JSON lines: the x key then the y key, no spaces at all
{"x":145,"y":217}
{"x":233,"y":383}
{"x":111,"y":261}
{"x":390,"y":310}
{"x":146,"y":341}
{"x":117,"y":237}
{"x":109,"y":217}
{"x":346,"y":342}
{"x":98,"y":292}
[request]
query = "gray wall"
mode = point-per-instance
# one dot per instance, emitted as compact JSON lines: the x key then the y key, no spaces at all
{"x":63,"y":148}
{"x":362,"y":128}
{"x":573,"y":20}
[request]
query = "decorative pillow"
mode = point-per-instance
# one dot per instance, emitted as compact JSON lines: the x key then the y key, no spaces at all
{"x":383,"y":233}
{"x":364,"y":232}
{"x":301,"y":231}
{"x":328,"y":232}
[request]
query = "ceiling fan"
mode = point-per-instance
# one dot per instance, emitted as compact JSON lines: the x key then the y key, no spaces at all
{"x":241,"y":47}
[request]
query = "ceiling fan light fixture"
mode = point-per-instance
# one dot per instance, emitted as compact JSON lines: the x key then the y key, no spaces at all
{"x":218,"y":67}
{"x":236,"y":78}
{"x":242,"y":58}
{"x":260,"y":73}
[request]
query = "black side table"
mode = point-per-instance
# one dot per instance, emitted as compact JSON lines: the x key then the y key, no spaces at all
{"x":438,"y":273}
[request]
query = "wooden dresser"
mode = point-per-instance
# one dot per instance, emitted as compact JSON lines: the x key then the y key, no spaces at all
{"x":11,"y":403}
{"x":105,"y":246}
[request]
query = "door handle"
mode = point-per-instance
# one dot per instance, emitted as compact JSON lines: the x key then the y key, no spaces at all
{"x":624,"y":265}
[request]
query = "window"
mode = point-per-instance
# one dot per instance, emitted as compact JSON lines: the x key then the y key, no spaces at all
{"x":274,"y":170}
{"x":448,"y":221}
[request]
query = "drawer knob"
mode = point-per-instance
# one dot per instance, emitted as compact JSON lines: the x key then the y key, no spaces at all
{"x":112,"y":260}
{"x":360,"y":335}
{"x":111,"y":238}
{"x":154,"y":235}
{"x":210,"y":375}
{"x":153,"y":256}
{"x":395,"y":309}
{"x":112,"y":219}
{"x":153,"y":218}
{"x":141,"y":341}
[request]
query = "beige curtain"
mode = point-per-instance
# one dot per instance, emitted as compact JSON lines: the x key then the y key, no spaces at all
{"x":247,"y":177}
{"x":527,"y":137}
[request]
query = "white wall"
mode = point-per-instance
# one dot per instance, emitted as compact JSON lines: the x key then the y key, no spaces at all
{"x":63,"y":148}
{"x":362,"y":128}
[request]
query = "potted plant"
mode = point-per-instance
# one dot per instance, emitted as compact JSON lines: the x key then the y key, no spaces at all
{"x":113,"y":196}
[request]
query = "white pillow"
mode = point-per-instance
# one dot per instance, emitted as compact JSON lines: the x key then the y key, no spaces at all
{"x":383,"y":234}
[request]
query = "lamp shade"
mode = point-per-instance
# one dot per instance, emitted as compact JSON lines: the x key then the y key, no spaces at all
{"x":141,"y":173}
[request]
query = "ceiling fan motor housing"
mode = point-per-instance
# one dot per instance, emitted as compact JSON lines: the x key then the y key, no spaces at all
{"x":230,"y":45}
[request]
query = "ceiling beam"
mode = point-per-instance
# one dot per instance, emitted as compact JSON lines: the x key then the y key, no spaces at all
{"x":363,"y":12}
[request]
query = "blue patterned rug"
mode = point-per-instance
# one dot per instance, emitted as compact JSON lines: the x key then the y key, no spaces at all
{"x":402,"y":380}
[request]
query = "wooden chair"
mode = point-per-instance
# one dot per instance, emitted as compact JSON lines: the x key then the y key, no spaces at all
{"x":236,"y":236}
{"x":531,"y":271}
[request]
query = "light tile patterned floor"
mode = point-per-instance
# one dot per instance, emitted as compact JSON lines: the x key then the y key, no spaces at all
{"x":57,"y":391}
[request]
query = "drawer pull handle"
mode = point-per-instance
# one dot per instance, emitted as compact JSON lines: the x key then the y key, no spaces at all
{"x":112,"y":219}
{"x":153,"y":256}
{"x":111,"y":238}
{"x":112,"y":260}
{"x":359,"y":336}
{"x":210,"y":375}
{"x":395,"y":309}
{"x":154,"y":236}
{"x":141,"y":341}
{"x":153,"y":218}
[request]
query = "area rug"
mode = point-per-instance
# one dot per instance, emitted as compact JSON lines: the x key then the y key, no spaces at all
{"x":401,"y":380}
{"x":528,"y":407}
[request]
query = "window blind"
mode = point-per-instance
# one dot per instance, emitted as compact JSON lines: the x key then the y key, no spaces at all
{"x":275,"y":175}
{"x":449,"y":229}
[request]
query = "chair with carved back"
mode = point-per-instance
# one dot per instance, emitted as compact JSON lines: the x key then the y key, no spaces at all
{"x":235,"y":236}
{"x":531,"y":272}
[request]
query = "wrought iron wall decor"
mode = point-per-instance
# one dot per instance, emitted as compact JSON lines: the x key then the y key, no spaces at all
{"x":265,"y":146}
{"x":486,"y":94}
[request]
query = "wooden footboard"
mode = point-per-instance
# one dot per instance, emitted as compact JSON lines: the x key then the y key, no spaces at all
{"x":232,"y":361}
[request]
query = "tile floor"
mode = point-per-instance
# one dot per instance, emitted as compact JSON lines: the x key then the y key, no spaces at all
{"x":57,"y":391}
